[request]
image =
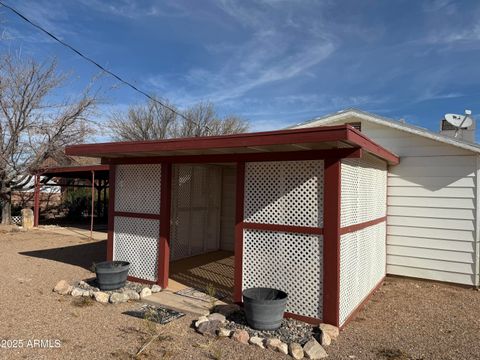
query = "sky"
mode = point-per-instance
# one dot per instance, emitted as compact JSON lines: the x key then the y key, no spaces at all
{"x":273,"y":62}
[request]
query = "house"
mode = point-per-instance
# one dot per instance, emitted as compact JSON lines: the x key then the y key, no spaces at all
{"x":433,"y":197}
{"x":303,"y":210}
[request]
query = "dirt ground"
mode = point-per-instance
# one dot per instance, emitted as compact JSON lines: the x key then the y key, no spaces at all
{"x":406,"y":319}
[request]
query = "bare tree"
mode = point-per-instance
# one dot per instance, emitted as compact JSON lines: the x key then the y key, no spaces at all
{"x":32,"y":127}
{"x":153,"y":121}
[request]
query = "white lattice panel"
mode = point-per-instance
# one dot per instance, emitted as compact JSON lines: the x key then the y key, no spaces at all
{"x":284,"y":193}
{"x":137,"y":188}
{"x":136,"y":241}
{"x":287,"y":261}
{"x":364,"y":190}
{"x":362,"y":266}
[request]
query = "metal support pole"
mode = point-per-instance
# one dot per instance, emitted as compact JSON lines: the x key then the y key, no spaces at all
{"x":93,"y":204}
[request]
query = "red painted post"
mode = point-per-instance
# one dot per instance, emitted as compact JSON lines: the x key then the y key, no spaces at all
{"x":164,"y":240}
{"x":331,"y":241}
{"x":111,"y":211}
{"x":239,"y":206}
{"x":36,"y":201}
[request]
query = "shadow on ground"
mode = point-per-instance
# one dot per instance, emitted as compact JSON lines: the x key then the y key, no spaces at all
{"x":83,"y":255}
{"x":214,"y":269}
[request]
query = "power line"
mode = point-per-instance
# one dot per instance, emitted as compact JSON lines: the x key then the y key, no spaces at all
{"x":16,"y":12}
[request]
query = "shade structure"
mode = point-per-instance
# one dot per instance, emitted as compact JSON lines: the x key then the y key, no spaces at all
{"x":309,"y":211}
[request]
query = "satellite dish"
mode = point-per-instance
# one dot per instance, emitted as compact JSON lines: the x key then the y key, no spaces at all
{"x":460,"y":121}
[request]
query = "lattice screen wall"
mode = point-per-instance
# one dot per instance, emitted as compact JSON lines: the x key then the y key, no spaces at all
{"x":362,"y":253}
{"x":364,"y":191}
{"x":362,"y":266}
{"x":137,"y":190}
{"x":285,"y":193}
{"x":287,"y":261}
{"x":136,"y":241}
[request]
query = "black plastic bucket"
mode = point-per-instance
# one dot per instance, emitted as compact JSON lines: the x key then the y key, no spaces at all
{"x":264,"y":307}
{"x":112,"y":275}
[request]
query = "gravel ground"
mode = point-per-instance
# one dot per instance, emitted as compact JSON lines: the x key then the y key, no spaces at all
{"x":406,"y":319}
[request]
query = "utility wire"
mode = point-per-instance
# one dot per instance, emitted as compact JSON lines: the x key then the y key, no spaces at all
{"x":16,"y":12}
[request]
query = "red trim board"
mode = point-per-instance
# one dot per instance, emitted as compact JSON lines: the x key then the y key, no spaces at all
{"x":137,"y":215}
{"x":307,"y":319}
{"x":254,"y":157}
{"x":164,"y":239}
{"x":357,"y":227}
{"x":228,"y":143}
{"x":331,"y":242}
{"x":142,"y":281}
{"x":283,"y":228}
{"x":111,"y":211}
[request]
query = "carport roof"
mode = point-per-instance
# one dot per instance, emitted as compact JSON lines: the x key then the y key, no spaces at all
{"x":291,"y":140}
{"x":77,"y":172}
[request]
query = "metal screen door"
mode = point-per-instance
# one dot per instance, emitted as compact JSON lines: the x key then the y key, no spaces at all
{"x":196,"y":205}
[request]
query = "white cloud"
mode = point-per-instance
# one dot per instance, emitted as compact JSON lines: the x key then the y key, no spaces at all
{"x":270,"y":52}
{"x":134,"y":10}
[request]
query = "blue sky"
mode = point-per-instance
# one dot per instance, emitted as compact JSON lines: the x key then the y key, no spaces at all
{"x":273,"y":62}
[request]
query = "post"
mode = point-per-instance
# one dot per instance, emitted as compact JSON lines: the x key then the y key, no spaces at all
{"x":111,"y":210}
{"x":239,"y":207}
{"x":93,"y":204}
{"x":36,"y":201}
{"x":99,"y":197}
{"x":331,"y":241}
{"x":164,"y":239}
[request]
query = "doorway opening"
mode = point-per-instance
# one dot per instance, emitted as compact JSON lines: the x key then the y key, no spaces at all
{"x":202,"y":229}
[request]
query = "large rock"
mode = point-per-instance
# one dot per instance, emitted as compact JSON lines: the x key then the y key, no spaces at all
{"x":325,"y":339}
{"x":331,"y":330}
{"x":283,"y":348}
{"x":258,"y":341}
{"x":241,"y":336}
{"x":27,"y":219}
{"x":156,"y":288}
{"x":132,"y":294}
{"x":117,"y":298}
{"x":272,"y":343}
{"x":222,"y":332}
{"x":313,"y":350}
{"x":145,"y":292}
{"x":277,"y":345}
{"x":80,"y":292}
{"x":200,"y":320}
{"x":209,"y":327}
{"x":296,"y":351}
{"x":101,"y":297}
{"x":63,"y":288}
{"x":217,"y":316}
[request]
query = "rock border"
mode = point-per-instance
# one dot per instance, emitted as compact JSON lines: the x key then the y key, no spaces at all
{"x":133,"y":292}
{"x":214,"y":324}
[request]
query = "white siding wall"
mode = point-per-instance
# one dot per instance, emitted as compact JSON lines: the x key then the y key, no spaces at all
{"x":432,"y":205}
